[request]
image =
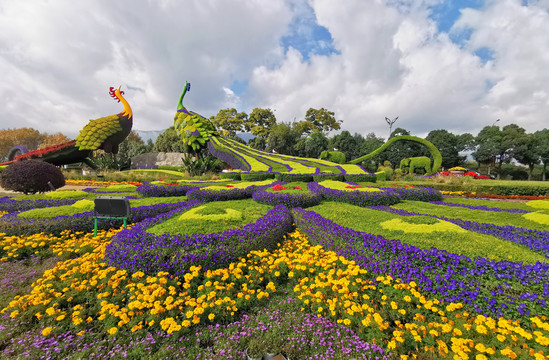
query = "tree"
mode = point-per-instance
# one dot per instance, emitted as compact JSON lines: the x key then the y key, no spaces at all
{"x":541,"y":141}
{"x":229,"y":121}
{"x":449,"y":146}
{"x":527,"y":153}
{"x":54,"y":139}
{"x":345,"y":143}
{"x":312,"y":145}
{"x":169,"y":141}
{"x":322,"y":120}
{"x":259,"y":123}
{"x":487,"y":145}
{"x":27,"y":137}
{"x":282,"y":139}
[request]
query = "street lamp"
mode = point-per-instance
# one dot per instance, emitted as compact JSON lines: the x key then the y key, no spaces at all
{"x":495,"y":122}
{"x":390,"y":122}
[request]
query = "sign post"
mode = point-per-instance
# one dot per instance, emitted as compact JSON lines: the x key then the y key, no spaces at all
{"x":110,"y":207}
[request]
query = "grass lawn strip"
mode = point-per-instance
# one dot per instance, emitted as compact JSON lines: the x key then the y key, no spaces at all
{"x":212,"y":218}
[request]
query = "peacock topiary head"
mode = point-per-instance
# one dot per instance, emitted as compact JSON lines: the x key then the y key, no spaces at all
{"x":194,"y":129}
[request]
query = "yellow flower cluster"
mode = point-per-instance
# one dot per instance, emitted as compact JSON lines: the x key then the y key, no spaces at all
{"x":385,"y":311}
{"x":66,"y":243}
{"x":397,"y":314}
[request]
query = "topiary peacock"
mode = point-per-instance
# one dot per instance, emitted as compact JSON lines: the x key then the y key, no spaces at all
{"x":194,"y":129}
{"x":105,"y":133}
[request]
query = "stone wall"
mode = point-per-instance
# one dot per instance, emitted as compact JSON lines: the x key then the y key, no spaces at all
{"x":148,"y":160}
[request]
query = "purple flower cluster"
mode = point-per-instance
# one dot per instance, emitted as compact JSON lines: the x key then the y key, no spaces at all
{"x":415,"y":193}
{"x":137,"y":250}
{"x":493,"y":288}
{"x":289,"y":199}
{"x":205,"y":194}
{"x":480,"y":207}
{"x":10,"y":205}
{"x":153,"y":190}
{"x":359,"y":198}
{"x":11,"y":224}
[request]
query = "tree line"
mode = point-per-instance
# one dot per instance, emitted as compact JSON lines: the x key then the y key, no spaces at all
{"x":492,"y":148}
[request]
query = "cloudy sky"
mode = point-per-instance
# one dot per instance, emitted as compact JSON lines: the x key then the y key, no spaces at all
{"x":453,"y":64}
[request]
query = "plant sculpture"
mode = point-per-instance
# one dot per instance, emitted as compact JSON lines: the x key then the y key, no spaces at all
{"x":194,"y":129}
{"x":415,"y":162}
{"x":105,"y":133}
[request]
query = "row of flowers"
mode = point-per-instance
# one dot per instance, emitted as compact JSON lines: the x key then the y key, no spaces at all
{"x":136,"y":249}
{"x":480,"y":207}
{"x":483,"y":286}
{"x":86,"y":292}
{"x":533,"y":239}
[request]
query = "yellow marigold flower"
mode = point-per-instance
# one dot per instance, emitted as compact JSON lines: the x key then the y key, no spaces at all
{"x":80,"y":333}
{"x":211,"y":316}
{"x":60,"y":317}
{"x":347,"y":322}
{"x":480,"y":347}
{"x":501,"y":338}
{"x":112,"y":330}
{"x":481,"y":357}
{"x":47,"y":331}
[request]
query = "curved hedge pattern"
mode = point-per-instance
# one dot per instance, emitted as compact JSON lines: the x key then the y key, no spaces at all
{"x":288,"y":199}
{"x":359,"y":198}
{"x":137,"y":250}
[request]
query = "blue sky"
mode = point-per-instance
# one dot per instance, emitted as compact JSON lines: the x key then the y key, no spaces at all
{"x":458,"y":65}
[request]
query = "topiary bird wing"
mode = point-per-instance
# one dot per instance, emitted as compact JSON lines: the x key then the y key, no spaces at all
{"x":97,"y":131}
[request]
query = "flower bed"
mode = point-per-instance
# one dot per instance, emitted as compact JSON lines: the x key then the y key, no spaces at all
{"x":476,"y":283}
{"x":288,"y":198}
{"x":137,"y":250}
{"x":153,"y":190}
{"x":359,"y":198}
{"x":9,"y":205}
{"x":11,"y":224}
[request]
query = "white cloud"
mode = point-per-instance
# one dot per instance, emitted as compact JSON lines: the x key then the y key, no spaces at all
{"x":58,"y":60}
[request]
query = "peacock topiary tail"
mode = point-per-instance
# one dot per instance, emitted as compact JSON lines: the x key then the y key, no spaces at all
{"x":194,"y":129}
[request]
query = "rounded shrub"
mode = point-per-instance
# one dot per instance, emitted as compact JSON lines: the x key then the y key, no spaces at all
{"x":31,"y":176}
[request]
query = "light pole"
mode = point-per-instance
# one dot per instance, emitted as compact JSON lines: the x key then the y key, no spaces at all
{"x":495,"y":122}
{"x":390,"y":122}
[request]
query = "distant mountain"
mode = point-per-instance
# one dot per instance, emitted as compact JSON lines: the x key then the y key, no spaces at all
{"x":149,"y":134}
{"x":245,"y":136}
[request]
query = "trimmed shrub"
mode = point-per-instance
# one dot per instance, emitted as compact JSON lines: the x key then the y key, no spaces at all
{"x":381,"y":176}
{"x":152,"y":190}
{"x":322,"y":177}
{"x":230,"y":175}
{"x":256,"y":176}
{"x":31,"y":176}
{"x":359,"y":198}
{"x":360,"y":177}
{"x":294,"y":177}
{"x":334,"y":156}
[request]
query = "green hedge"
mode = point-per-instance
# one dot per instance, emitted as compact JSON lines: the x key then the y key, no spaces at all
{"x":322,"y":177}
{"x":381,"y":176}
{"x":230,"y":175}
{"x":294,"y":177}
{"x":530,"y":190}
{"x":256,"y":176}
{"x":360,"y":177}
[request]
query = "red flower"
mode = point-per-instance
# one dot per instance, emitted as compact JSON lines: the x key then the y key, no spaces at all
{"x":298,"y":188}
{"x":278,"y":187}
{"x":353,"y":187}
{"x":229,"y":186}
